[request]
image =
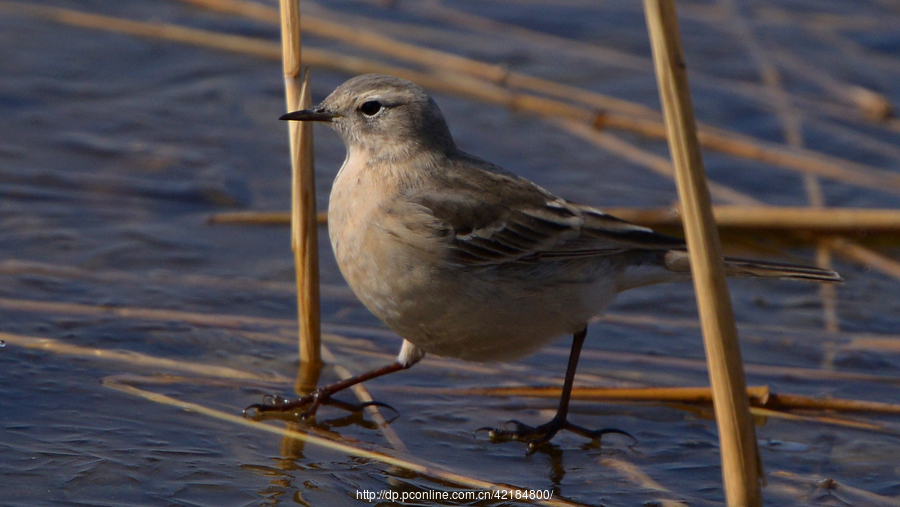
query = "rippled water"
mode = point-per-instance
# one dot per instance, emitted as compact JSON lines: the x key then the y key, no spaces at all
{"x":116,"y":149}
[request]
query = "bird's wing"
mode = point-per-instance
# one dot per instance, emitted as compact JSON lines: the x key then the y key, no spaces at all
{"x":513,"y":220}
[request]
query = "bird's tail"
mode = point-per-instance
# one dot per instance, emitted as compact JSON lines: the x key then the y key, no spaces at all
{"x":677,"y":261}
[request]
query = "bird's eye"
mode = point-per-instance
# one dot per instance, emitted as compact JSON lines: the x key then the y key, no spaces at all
{"x":370,"y":108}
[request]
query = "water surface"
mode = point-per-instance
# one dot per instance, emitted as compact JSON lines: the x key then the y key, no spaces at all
{"x":116,"y":149}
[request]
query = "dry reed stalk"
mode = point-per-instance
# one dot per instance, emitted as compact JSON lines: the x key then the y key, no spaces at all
{"x":645,"y":360}
{"x":791,"y":121}
{"x":691,"y":399}
{"x":777,"y":218}
{"x":219,"y":321}
{"x":731,"y":143}
{"x":844,"y":22}
{"x":857,"y":139}
{"x":258,"y":218}
{"x":20,"y":267}
{"x":469,"y":22}
{"x":862,"y":104}
{"x":878,"y":343}
{"x":757,"y":216}
{"x":872,"y":105}
{"x":171,"y":379}
{"x":164,"y":31}
{"x":716,"y":139}
{"x":499,"y":75}
{"x":135,"y":359}
{"x":741,"y":465}
{"x":822,"y":26}
{"x":241,"y":322}
{"x":490,"y":370}
{"x":238,"y":323}
{"x":432,"y":58}
{"x":465,"y":86}
{"x":791,"y":494}
{"x":779,"y":401}
{"x":250,"y":218}
{"x":652,"y":161}
{"x":203,"y":38}
{"x":374,"y":453}
{"x":758,"y":396}
{"x":304,"y":233}
{"x":762,"y":412}
{"x":631,"y":319}
{"x":249,"y":10}
{"x":850,"y":251}
{"x":362,"y":394}
{"x":796,"y":401}
{"x":892,"y":124}
{"x":827,"y":291}
{"x":777,"y":155}
{"x":637,"y":476}
{"x":290,"y":338}
{"x":443,"y":363}
{"x":745,"y":89}
{"x":198,"y":319}
{"x":603,"y":55}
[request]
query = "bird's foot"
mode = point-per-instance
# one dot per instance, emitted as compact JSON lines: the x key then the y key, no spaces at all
{"x":537,"y":436}
{"x":305,"y":407}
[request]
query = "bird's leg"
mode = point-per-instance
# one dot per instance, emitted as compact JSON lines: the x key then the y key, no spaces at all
{"x":538,"y":435}
{"x":409,"y":355}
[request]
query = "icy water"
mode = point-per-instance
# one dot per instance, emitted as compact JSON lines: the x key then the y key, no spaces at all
{"x":114,"y":151}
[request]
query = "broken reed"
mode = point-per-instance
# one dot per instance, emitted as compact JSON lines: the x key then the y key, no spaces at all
{"x":304,"y":233}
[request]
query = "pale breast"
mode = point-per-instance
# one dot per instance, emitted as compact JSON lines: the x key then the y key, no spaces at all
{"x":365,"y":252}
{"x":393,"y":256}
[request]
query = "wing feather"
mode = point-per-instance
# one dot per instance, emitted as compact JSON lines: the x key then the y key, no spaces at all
{"x":490,"y":217}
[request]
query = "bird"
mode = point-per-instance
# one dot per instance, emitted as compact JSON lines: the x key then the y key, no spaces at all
{"x":464,"y":259}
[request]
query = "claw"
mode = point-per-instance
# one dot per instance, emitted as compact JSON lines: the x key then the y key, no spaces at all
{"x":252,"y":411}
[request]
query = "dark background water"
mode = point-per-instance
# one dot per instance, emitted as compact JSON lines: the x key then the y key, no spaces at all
{"x":115,"y":149}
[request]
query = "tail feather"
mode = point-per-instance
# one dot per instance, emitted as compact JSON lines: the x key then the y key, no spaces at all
{"x":678,"y":261}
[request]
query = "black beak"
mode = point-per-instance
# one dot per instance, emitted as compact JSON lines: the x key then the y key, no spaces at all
{"x":317,"y":114}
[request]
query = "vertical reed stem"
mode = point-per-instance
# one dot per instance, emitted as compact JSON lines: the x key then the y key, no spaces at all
{"x":304,"y":232}
{"x":740,"y":458}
